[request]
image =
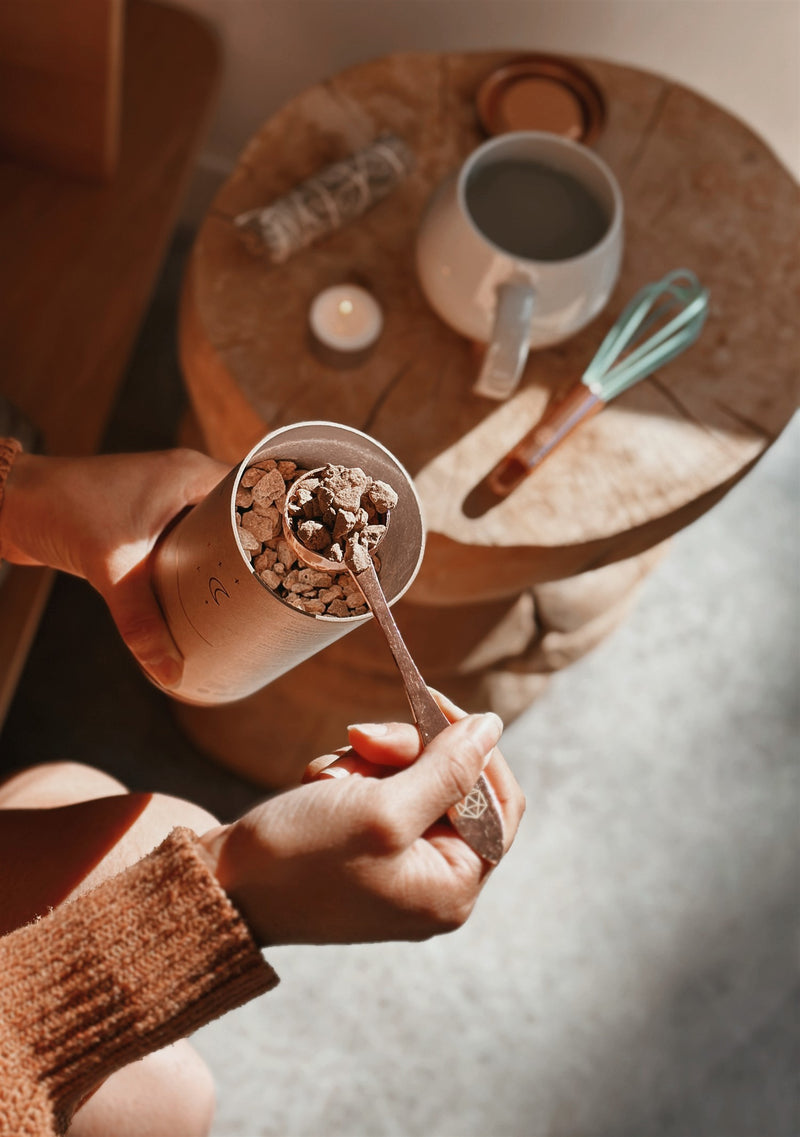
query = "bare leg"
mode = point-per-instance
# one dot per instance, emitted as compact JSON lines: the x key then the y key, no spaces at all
{"x":64,"y":827}
{"x":167,"y":1094}
{"x":56,"y":783}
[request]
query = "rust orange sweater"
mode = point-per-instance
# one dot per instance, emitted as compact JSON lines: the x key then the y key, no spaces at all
{"x":9,"y":449}
{"x":139,"y":962}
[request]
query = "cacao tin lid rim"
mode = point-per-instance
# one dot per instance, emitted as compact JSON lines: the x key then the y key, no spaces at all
{"x":585,"y":104}
{"x":320,"y":617}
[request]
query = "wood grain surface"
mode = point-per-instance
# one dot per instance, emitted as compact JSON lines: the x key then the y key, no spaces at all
{"x":506,"y":596}
{"x":701,"y":191}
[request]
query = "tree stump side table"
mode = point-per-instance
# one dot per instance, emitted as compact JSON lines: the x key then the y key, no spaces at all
{"x":504,"y":598}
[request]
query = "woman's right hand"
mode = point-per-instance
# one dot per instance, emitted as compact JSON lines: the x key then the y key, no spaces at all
{"x":362,"y":858}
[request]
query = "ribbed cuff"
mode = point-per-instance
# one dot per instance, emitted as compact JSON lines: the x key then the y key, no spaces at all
{"x":9,"y":449}
{"x":139,"y":962}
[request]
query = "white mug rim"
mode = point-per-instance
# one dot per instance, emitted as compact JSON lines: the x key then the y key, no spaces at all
{"x":615,"y":221}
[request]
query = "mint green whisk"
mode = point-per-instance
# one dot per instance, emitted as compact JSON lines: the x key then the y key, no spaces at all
{"x":661,"y":321}
{"x":619,"y":362}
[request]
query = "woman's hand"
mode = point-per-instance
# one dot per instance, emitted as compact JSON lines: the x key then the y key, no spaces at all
{"x":100,"y":518}
{"x":359,"y":858}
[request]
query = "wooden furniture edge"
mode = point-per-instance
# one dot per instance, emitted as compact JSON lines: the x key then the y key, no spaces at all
{"x":23,"y":596}
{"x":24,"y":590}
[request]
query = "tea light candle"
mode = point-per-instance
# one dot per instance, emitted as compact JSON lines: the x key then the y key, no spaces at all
{"x":346,"y":320}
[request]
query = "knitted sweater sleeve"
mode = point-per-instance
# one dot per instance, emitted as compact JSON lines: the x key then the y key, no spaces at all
{"x":139,"y":962}
{"x":9,"y":448}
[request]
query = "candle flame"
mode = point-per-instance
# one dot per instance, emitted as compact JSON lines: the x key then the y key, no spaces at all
{"x":345,"y":307}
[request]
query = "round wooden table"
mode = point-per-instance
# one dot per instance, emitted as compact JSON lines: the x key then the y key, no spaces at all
{"x":505,"y":597}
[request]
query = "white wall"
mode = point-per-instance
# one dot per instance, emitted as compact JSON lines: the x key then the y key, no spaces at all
{"x":744,"y":54}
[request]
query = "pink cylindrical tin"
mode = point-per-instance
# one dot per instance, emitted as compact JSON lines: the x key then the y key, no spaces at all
{"x":235,"y":635}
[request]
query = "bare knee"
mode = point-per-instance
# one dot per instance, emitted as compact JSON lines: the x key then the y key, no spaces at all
{"x":56,"y":783}
{"x":156,"y":821}
{"x":167,"y":1094}
{"x":162,"y":814}
{"x":165,"y":812}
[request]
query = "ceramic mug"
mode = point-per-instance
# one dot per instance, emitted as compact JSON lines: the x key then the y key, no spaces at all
{"x":521,"y":247}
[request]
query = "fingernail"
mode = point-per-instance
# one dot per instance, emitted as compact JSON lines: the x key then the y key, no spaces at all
{"x":487,"y":728}
{"x":453,"y":712}
{"x":370,"y":729}
{"x":167,"y":671}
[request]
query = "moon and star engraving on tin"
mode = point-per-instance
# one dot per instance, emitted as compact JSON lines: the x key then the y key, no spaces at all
{"x":217,"y":589}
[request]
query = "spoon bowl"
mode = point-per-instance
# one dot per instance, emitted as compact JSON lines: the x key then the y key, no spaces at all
{"x":309,"y":556}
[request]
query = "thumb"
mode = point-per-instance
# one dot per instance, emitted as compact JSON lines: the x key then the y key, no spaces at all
{"x":445,"y":772}
{"x":140,"y":622}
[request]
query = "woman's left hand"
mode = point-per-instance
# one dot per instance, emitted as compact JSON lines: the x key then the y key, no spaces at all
{"x":99,"y":518}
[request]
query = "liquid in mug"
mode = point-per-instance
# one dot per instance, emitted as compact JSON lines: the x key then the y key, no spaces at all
{"x":533,"y":211}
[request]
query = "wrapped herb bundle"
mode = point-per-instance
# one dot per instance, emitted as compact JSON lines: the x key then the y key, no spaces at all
{"x":326,"y":202}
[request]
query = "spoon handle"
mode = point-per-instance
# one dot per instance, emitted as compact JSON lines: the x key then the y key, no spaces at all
{"x":477,"y":817}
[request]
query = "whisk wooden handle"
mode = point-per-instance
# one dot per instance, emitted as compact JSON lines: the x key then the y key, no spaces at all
{"x":558,"y":421}
{"x":661,"y":321}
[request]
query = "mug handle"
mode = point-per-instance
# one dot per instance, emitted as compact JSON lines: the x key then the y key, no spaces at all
{"x":508,"y":348}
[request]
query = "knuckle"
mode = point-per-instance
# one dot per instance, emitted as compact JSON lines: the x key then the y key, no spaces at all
{"x":463,"y":913}
{"x":181,"y":454}
{"x":448,"y":923}
{"x":178,"y":457}
{"x":140,"y":632}
{"x":463,"y":766}
{"x":441,"y":918}
{"x":188,"y":462}
{"x":172,"y":464}
{"x":382,"y":830}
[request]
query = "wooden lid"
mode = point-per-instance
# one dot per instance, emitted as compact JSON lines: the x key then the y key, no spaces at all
{"x":542,"y":92}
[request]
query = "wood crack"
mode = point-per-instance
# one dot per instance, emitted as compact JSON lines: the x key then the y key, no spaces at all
{"x":279,"y":412}
{"x":442,"y":88}
{"x":649,"y":130}
{"x":331,"y":87}
{"x":383,"y":396}
{"x":746,"y":422}
{"x":686,"y":414}
{"x":354,"y":110}
{"x":679,"y":406}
